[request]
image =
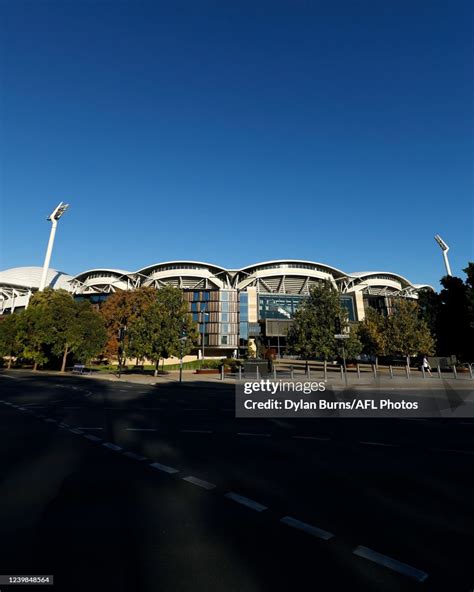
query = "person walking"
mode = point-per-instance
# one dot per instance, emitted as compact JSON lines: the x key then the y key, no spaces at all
{"x":426,"y":365}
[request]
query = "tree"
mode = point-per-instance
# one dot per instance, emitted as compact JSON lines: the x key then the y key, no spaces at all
{"x":157,"y":333}
{"x":86,"y":336}
{"x":372,"y":333}
{"x":406,"y":334}
{"x":10,"y":345}
{"x":454,"y":318}
{"x":123,"y":309}
{"x":33,"y":336}
{"x":311,"y":335}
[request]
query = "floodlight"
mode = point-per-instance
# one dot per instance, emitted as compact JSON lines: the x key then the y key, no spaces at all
{"x":444,"y":248}
{"x":53,"y":217}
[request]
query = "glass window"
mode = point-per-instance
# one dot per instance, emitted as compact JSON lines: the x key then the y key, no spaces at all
{"x":224,"y":296}
{"x":224,"y":306}
{"x":194,"y":306}
{"x":225,"y":328}
{"x":205,"y":296}
{"x":224,"y":317}
{"x":223,"y":339}
{"x":196,"y":296}
{"x":195,"y":316}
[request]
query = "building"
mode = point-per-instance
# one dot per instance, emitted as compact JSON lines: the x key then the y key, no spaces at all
{"x":230,"y":305}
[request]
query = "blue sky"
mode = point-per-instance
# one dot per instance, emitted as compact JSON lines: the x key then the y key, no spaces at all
{"x":236,"y":132}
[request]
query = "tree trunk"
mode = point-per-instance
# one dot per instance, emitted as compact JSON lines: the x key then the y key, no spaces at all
{"x":9,"y":362}
{"x":35,"y":366}
{"x":63,"y":365}
{"x":156,"y":367}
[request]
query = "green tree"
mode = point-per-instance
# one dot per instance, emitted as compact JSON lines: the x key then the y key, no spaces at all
{"x":86,"y":336}
{"x":33,"y":334}
{"x":311,"y":335}
{"x":372,"y":333}
{"x":10,"y":345}
{"x":157,"y":333}
{"x":406,"y":334}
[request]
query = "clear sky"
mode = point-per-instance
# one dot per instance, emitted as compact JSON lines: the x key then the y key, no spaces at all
{"x":237,"y":132}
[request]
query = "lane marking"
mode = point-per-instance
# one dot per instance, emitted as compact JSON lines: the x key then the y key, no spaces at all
{"x":164,"y":468}
{"x":76,"y":431}
{"x":135,"y":456}
{"x":141,"y":429}
{"x":393,"y":564}
{"x":91,"y":437}
{"x":70,"y":408}
{"x":82,"y":428}
{"x":245,"y":501}
{"x":63,"y":425}
{"x":452,"y":450}
{"x":313,"y":530}
{"x":251,"y":434}
{"x":112,"y":446}
{"x":196,"y":431}
{"x":51,"y":420}
{"x":196,"y":409}
{"x":199,"y":482}
{"x":378,"y":444}
{"x":321,"y":438}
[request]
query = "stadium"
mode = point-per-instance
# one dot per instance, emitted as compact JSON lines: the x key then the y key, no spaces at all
{"x":230,"y":305}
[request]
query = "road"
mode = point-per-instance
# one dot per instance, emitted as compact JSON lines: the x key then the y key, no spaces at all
{"x":135,"y":487}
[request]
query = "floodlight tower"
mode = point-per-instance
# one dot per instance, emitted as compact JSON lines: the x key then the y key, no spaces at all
{"x":445,"y":249}
{"x":54,"y":217}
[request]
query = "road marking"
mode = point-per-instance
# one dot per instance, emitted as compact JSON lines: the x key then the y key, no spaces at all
{"x":378,"y":444}
{"x":469,"y":423}
{"x":250,"y":434}
{"x":150,"y":408}
{"x":164,"y":468}
{"x":393,"y":564}
{"x":313,"y":530}
{"x":112,"y":446}
{"x":72,"y":408}
{"x":141,"y":429}
{"x":61,"y":424}
{"x":452,"y":450}
{"x":11,"y":377}
{"x":204,"y":409}
{"x":76,"y":431}
{"x":81,"y":428}
{"x":245,"y":501}
{"x":123,"y":391}
{"x":51,"y":420}
{"x":199,"y":482}
{"x":135,"y":456}
{"x":196,"y":431}
{"x":321,"y":438}
{"x":91,"y":437}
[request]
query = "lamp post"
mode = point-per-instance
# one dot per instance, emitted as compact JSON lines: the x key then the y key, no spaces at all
{"x":54,"y":217}
{"x":444,"y":248}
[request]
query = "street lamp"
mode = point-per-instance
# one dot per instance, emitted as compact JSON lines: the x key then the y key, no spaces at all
{"x":54,"y":217}
{"x":444,"y":248}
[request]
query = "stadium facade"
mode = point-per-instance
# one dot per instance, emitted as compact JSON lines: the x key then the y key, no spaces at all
{"x":230,"y":305}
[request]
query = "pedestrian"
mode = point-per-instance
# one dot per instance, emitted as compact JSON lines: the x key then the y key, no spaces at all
{"x":426,"y":365}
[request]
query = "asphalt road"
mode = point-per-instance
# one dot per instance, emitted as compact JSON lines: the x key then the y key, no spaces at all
{"x":124,"y":487}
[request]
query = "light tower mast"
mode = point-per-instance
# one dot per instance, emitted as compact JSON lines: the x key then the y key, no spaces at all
{"x":444,"y":249}
{"x":54,"y":217}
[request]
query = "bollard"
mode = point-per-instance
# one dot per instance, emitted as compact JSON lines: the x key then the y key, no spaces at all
{"x":342,"y":373}
{"x":391,"y":371}
{"x":423,"y":371}
{"x":222,"y":372}
{"x":292,"y":374}
{"x":274,"y":373}
{"x":257,"y":372}
{"x":240,"y":372}
{"x":374,"y":369}
{"x":408,"y":373}
{"x":309,"y":373}
{"x":358,"y":371}
{"x":470,"y":370}
{"x":439,"y":371}
{"x":455,"y":372}
{"x":325,"y":371}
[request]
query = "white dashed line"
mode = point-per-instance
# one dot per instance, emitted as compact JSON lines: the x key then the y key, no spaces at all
{"x":164,"y":468}
{"x":91,"y":437}
{"x":112,"y":446}
{"x":251,"y":434}
{"x":76,"y":431}
{"x":135,"y":456}
{"x":141,"y":429}
{"x":320,"y":438}
{"x":51,"y":420}
{"x":199,"y":482}
{"x":452,"y":450}
{"x":392,"y":564}
{"x":196,"y":431}
{"x":81,"y":428}
{"x":308,"y":528}
{"x":245,"y":501}
{"x":195,"y":409}
{"x":378,"y":444}
{"x":72,"y":408}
